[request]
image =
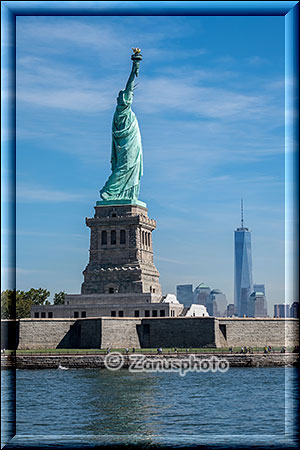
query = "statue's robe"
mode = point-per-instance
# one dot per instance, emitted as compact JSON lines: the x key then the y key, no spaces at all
{"x":126,"y":153}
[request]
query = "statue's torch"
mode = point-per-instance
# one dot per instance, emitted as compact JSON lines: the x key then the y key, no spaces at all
{"x":136,"y":58}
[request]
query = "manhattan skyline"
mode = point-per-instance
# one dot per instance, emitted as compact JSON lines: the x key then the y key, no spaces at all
{"x":217,"y":135}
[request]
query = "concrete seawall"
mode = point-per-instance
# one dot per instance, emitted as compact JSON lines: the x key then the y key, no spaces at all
{"x":97,"y":361}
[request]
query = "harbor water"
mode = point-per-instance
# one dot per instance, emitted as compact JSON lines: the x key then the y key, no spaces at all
{"x":86,"y":407}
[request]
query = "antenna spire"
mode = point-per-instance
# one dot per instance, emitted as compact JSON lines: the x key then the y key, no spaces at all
{"x":242,"y":213}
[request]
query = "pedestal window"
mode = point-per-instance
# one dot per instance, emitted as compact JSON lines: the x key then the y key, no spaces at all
{"x":122,"y":237}
{"x":104,"y":238}
{"x":113,"y":237}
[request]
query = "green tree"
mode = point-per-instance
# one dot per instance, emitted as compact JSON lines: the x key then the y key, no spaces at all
{"x":23,"y":305}
{"x":8,"y":304}
{"x":59,"y":298}
{"x":38,"y":296}
{"x":17,"y":304}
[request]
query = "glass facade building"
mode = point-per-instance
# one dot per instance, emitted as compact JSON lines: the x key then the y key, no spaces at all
{"x":184,"y":294}
{"x":217,"y":305}
{"x":257,"y":306}
{"x":294,"y":310}
{"x":282,"y":310}
{"x":259,"y":287}
{"x":243,"y":282}
{"x":202,"y":294}
{"x":231,"y":310}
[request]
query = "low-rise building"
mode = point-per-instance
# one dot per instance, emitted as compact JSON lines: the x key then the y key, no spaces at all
{"x":231,"y":310}
{"x":294,"y":310}
{"x":282,"y":310}
{"x":115,"y":305}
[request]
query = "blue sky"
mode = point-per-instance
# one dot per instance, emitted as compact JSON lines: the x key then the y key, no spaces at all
{"x":210,"y":105}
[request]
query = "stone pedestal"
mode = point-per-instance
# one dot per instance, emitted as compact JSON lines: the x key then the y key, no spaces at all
{"x":121,"y":253}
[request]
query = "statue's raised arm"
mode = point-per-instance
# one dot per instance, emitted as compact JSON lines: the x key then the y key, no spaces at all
{"x":126,"y":153}
{"x":136,"y":58}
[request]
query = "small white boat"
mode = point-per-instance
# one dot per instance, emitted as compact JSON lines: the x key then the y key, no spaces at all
{"x":62,"y":367}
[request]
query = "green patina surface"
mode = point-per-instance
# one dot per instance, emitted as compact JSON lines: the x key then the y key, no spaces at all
{"x":120,"y":202}
{"x":126,"y":153}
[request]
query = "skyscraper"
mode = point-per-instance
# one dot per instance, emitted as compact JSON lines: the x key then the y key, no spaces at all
{"x":202,"y":294}
{"x":259,"y":287}
{"x":243,"y":284}
{"x":217,"y":304}
{"x":184,"y":293}
{"x":257,"y":305}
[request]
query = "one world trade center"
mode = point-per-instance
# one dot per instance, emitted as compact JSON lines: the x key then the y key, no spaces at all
{"x":243,"y":284}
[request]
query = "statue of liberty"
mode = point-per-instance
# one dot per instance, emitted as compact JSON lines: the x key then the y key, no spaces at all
{"x":126,"y":153}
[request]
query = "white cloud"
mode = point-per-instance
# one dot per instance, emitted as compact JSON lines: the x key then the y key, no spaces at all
{"x":171,"y":93}
{"x":11,"y":271}
{"x":64,"y":88}
{"x":170,"y":260}
{"x":63,"y":34}
{"x":50,"y":235}
{"x":61,"y":87}
{"x":26,"y":193}
{"x":69,"y":31}
{"x":256,"y":60}
{"x":83,"y":100}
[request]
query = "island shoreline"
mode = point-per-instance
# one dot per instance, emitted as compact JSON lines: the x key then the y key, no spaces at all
{"x":98,"y":361}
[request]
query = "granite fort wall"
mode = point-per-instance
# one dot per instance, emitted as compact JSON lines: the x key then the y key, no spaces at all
{"x":120,"y":333}
{"x":29,"y":334}
{"x":44,"y":333}
{"x":197,"y":332}
{"x":89,"y":335}
{"x":257,"y":332}
{"x":113,"y":332}
{"x":178,"y":332}
{"x":9,"y":334}
{"x":191,"y":332}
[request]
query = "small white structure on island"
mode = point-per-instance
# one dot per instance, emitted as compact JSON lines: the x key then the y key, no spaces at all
{"x":193,"y":310}
{"x":196,"y":311}
{"x":170,"y":298}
